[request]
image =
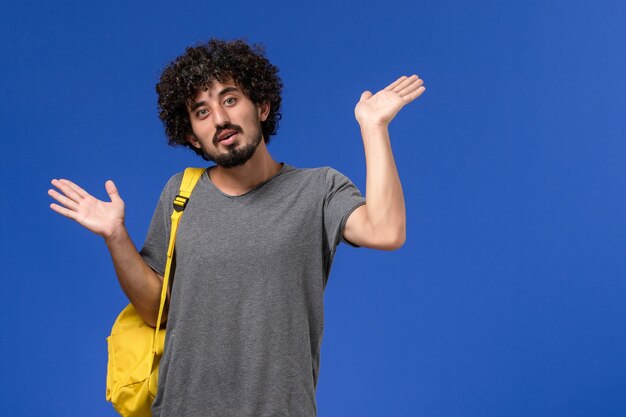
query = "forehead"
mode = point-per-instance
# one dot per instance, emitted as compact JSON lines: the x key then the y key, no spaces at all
{"x":216,"y":88}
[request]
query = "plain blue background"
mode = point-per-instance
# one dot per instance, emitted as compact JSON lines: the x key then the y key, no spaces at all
{"x":508,"y":298}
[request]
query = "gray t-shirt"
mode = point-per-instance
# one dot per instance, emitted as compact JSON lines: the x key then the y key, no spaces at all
{"x":246,"y":318}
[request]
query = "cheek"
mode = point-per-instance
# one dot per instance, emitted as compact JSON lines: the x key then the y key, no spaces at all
{"x":202,"y":130}
{"x":254,"y":120}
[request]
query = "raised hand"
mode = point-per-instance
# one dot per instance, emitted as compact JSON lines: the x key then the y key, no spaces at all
{"x":100,"y":217}
{"x":380,"y":108}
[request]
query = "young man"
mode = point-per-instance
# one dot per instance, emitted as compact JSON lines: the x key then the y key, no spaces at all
{"x":256,"y":243}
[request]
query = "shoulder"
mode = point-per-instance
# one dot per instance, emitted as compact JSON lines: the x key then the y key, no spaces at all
{"x":175,"y":180}
{"x":324,"y":175}
{"x":172,"y":186}
{"x":325,"y":178}
{"x":304,"y":175}
{"x":321,"y":173}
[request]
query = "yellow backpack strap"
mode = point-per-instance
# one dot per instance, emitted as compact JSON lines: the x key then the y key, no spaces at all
{"x":190,"y":179}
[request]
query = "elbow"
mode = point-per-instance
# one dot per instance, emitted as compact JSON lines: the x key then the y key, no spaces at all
{"x":151,"y":317}
{"x":397,"y":243}
{"x":400,"y":241}
{"x":394,"y":236}
{"x":163,"y":317}
{"x":398,"y":238}
{"x":393,"y":242}
{"x":152,"y":320}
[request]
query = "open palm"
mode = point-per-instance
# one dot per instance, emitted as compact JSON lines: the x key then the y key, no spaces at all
{"x":100,"y":217}
{"x":382,"y":107}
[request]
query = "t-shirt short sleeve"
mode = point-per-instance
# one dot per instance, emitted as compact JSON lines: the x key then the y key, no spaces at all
{"x":342,"y":198}
{"x":154,"y":250}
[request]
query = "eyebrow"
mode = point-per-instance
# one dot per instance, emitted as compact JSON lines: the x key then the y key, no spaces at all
{"x":226,"y":90}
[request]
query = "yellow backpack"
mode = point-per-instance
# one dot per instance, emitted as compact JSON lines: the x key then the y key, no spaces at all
{"x":134,"y":347}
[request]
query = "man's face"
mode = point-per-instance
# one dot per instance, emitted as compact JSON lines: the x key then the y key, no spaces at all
{"x":226,"y":124}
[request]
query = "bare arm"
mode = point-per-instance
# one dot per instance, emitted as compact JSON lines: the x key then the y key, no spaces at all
{"x":381,"y":222}
{"x":141,"y":284}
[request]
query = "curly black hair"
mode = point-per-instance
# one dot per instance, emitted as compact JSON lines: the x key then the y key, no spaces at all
{"x":219,"y":60}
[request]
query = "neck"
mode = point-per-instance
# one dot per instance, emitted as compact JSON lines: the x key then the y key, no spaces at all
{"x":243,"y":178}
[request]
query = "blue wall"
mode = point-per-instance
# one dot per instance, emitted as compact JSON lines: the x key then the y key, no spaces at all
{"x":508,"y":296}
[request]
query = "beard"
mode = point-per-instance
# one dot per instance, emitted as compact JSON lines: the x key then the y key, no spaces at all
{"x":236,"y":154}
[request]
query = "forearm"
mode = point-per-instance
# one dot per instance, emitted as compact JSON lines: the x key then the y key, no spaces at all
{"x":139,"y":282}
{"x":383,"y":194}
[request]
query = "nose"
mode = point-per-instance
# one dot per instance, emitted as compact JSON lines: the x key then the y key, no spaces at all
{"x":220,"y":116}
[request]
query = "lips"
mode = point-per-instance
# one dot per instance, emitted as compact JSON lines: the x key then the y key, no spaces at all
{"x":226,"y":134}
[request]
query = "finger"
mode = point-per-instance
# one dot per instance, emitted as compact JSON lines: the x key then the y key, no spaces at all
{"x":415,"y":94}
{"x":112,"y":191}
{"x":62,"y":210}
{"x":63,"y":200}
{"x":395,"y":83}
{"x":69,"y":192}
{"x":82,"y":193}
{"x":404,"y":83}
{"x":366,"y":95}
{"x":410,"y":88}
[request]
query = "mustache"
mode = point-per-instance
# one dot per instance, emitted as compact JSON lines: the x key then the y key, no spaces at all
{"x":227,"y":126}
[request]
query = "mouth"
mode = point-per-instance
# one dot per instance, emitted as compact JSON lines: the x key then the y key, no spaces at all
{"x":227,"y":137}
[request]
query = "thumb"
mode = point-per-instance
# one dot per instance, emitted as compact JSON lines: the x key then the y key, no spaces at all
{"x":366,"y":95}
{"x":112,"y":190}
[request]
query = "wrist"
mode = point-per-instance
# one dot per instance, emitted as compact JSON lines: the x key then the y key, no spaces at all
{"x":117,"y":233}
{"x":374,"y":133}
{"x":371,"y":126}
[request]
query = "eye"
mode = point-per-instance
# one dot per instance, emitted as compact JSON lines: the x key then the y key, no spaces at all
{"x":229,"y":101}
{"x":202,"y":113}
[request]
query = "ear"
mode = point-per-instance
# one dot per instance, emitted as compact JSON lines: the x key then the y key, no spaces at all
{"x":193,"y":140}
{"x":264,"y":111}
